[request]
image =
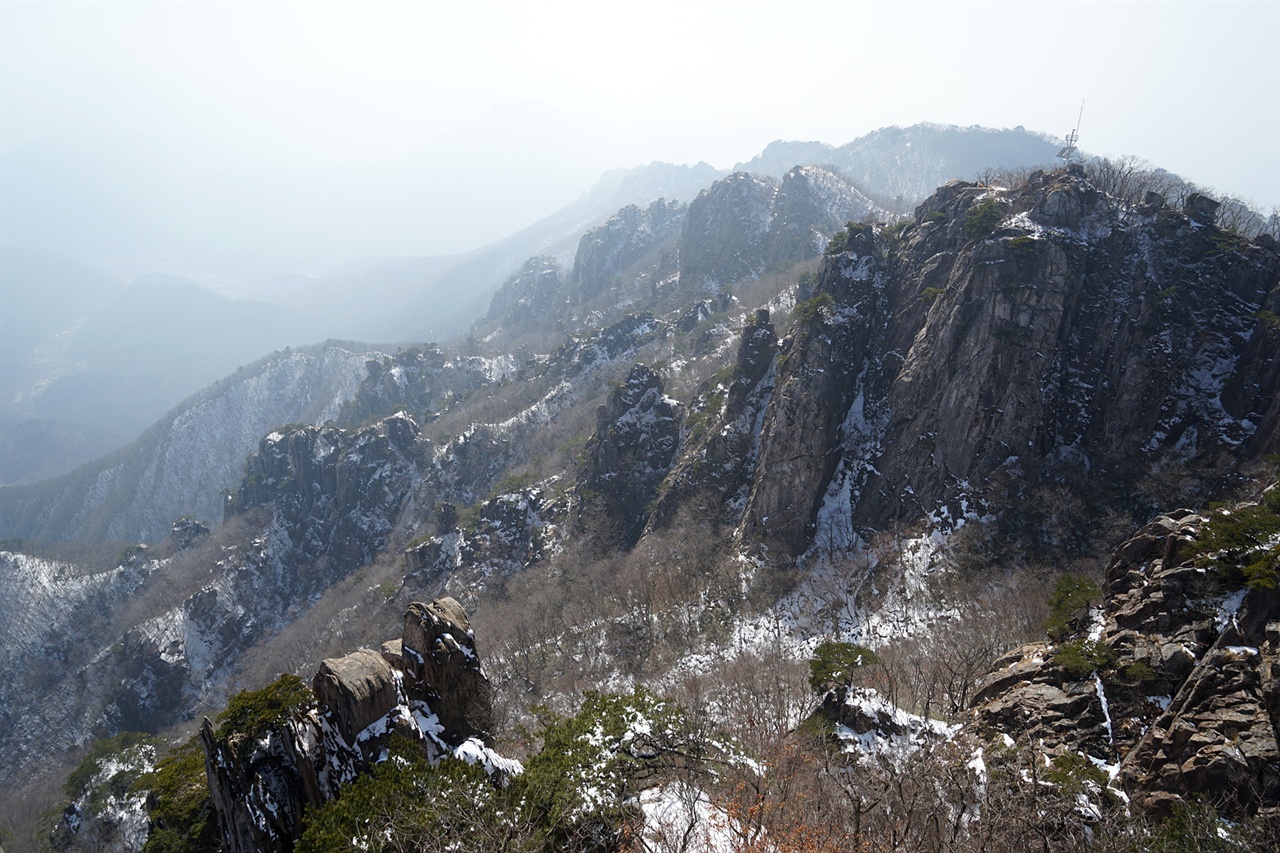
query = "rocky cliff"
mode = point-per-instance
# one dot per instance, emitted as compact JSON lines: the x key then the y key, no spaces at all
{"x":714,"y":470}
{"x":335,"y":494}
{"x":606,"y":253}
{"x":1169,"y":683}
{"x":668,"y":256}
{"x":635,"y":442}
{"x":266,"y":767}
{"x":176,"y":624}
{"x":1006,"y":339}
{"x":422,"y":381}
{"x":532,"y":294}
{"x":744,"y":224}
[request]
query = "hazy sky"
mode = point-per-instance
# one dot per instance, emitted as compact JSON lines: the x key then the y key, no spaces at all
{"x":1193,"y":87}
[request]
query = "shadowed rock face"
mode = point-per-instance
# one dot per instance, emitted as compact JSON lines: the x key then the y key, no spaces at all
{"x":337,"y":492}
{"x":529,"y":295}
{"x":1007,"y":337}
{"x":1190,"y":705}
{"x":744,"y":225}
{"x":634,"y":445}
{"x":605,"y":253}
{"x":715,"y":465}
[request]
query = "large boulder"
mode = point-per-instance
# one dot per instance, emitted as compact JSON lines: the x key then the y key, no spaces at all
{"x":357,"y":689}
{"x":263,"y":779}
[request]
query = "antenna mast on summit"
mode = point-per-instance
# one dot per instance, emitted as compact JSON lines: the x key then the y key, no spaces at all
{"x":1073,"y":137}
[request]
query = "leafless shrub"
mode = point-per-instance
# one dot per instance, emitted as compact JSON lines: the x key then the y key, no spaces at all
{"x":1012,"y":178}
{"x":1129,"y":179}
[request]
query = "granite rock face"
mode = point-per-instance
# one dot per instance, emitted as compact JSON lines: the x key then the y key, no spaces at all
{"x":716,"y":463}
{"x":744,"y":225}
{"x":440,"y":658}
{"x":336,"y":492}
{"x":1006,"y":339}
{"x":427,"y":685}
{"x":1182,"y":701}
{"x":635,"y":443}
{"x":357,"y":689}
{"x":513,"y":531}
{"x":532,"y":294}
{"x":422,"y":381}
{"x":606,"y":252}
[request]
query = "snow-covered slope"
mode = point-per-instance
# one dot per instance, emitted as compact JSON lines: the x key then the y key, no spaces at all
{"x":182,"y":465}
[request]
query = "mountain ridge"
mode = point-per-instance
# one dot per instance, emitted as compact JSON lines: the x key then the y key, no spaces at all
{"x":804,"y":420}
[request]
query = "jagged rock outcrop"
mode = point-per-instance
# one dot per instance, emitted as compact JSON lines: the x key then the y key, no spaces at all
{"x":813,"y":202}
{"x":635,"y":443}
{"x":336,"y":493}
{"x":1171,"y":682}
{"x":439,"y":653}
{"x":715,"y":465}
{"x":427,"y":686}
{"x":105,"y":814}
{"x":610,"y":344}
{"x":512,"y":532}
{"x":873,"y":728}
{"x":422,"y":381}
{"x":725,"y":227}
{"x":186,"y":531}
{"x":532,"y":294}
{"x":744,"y":224}
{"x":1008,"y":339}
{"x":605,"y":253}
{"x":703,"y":310}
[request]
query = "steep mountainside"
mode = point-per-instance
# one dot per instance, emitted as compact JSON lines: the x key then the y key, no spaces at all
{"x":670,"y":257}
{"x":1019,"y":362}
{"x":423,"y":299}
{"x":92,"y":358}
{"x":181,"y":465}
{"x":1006,"y":340}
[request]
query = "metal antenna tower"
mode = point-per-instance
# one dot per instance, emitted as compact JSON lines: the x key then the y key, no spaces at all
{"x":1073,"y":137}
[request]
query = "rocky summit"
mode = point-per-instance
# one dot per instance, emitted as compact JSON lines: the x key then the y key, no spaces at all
{"x":1004,"y":339}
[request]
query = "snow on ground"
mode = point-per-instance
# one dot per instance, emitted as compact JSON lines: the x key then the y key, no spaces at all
{"x":115,"y":823}
{"x":888,"y":732}
{"x":1228,"y":608}
{"x":679,"y":818}
{"x":857,"y":595}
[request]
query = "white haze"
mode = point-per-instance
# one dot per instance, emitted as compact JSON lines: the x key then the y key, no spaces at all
{"x":244,"y":139}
